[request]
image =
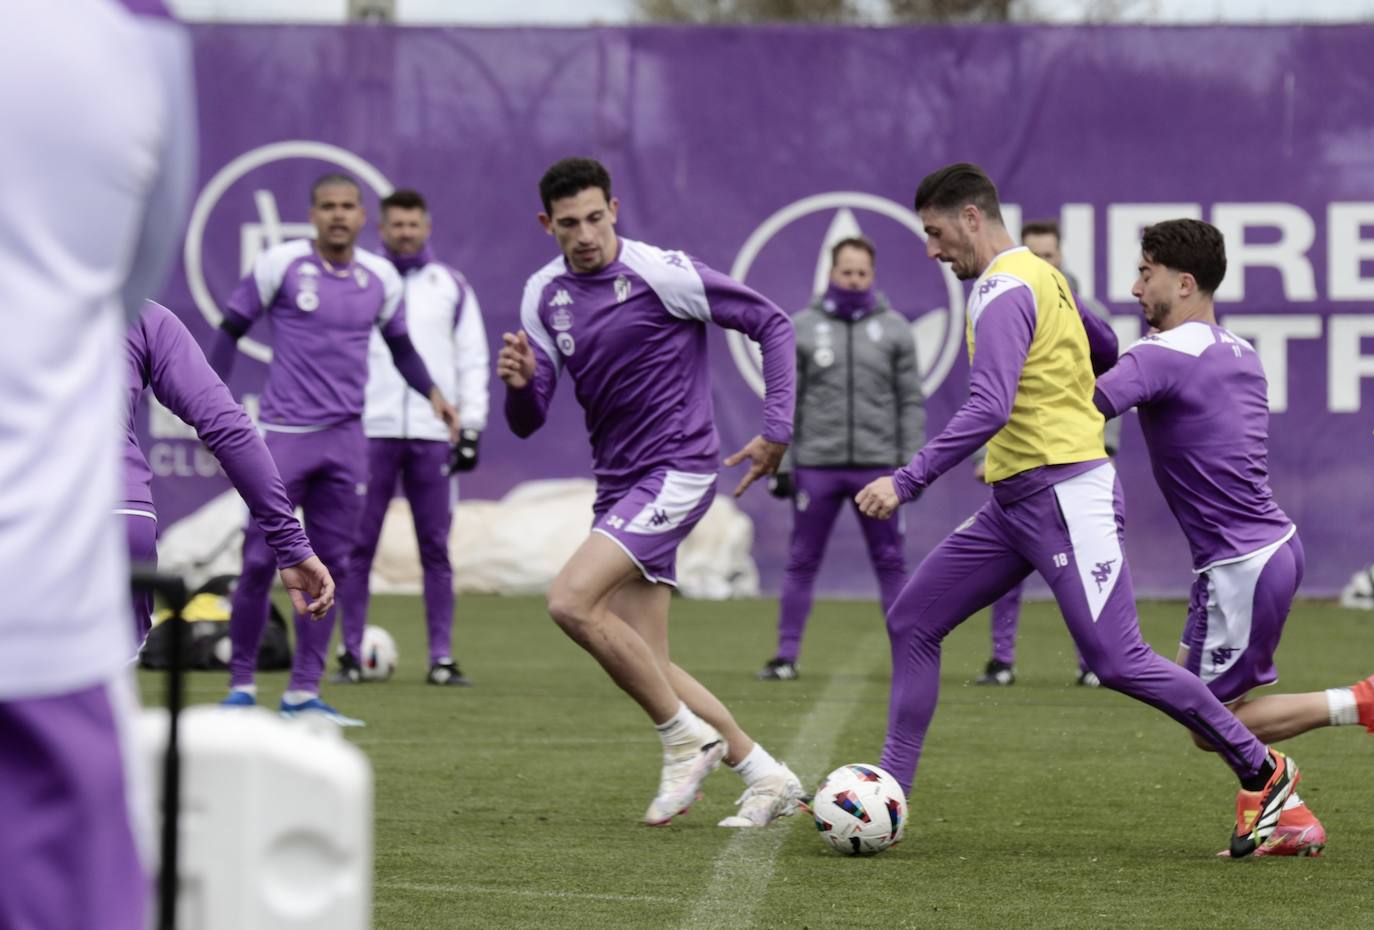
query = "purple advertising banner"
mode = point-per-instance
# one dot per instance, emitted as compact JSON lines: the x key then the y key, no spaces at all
{"x":754,"y":148}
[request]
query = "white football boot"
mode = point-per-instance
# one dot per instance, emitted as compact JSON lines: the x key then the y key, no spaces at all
{"x":684,"y":769}
{"x":766,"y":800}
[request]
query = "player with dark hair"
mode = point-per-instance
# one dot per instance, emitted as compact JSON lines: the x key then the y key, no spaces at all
{"x":860,"y":413}
{"x":1204,"y":412}
{"x":627,"y":322}
{"x":325,"y":297}
{"x":407,"y":441}
{"x":1056,"y":505}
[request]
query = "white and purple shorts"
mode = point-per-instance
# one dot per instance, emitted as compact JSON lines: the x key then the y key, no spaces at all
{"x":1236,"y":616}
{"x":652,"y":518}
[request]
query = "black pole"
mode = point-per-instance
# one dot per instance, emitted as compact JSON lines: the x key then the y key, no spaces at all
{"x":173,"y":591}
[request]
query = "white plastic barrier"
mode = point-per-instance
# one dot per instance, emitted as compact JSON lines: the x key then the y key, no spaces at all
{"x":276,"y":821}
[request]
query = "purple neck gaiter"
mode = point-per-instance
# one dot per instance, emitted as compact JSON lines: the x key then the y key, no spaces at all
{"x":849,"y":305}
{"x":408,"y":263}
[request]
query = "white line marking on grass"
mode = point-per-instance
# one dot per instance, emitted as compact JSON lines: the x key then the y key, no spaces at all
{"x":744,"y":868}
{"x":526,"y":892}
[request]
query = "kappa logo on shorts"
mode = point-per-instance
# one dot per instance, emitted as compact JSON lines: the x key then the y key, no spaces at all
{"x":1222,"y":657}
{"x":659,"y":518}
{"x":1103,"y":572}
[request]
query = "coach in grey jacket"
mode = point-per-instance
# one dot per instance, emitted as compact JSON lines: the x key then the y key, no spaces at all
{"x":860,"y":413}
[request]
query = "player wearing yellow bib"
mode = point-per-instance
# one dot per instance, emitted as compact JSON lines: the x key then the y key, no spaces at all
{"x":1056,"y":505}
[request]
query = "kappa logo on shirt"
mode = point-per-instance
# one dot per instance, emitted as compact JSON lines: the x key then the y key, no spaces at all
{"x":622,"y":288}
{"x":561,"y":299}
{"x":676,"y":259}
{"x":360,"y":275}
{"x":989,"y":285}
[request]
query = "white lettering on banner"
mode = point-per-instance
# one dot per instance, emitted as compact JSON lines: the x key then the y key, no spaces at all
{"x":1124,"y":224}
{"x":1346,"y":364}
{"x":1269,"y":333}
{"x":1346,"y":249}
{"x":1288,"y":254}
{"x":1076,"y":226}
{"x":164,"y":424}
{"x":182,"y":460}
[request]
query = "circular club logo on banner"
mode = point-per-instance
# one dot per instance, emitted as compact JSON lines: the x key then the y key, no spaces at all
{"x":777,"y":260}
{"x":237,"y":215}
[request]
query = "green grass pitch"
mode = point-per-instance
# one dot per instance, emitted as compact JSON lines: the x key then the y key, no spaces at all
{"x":515,"y":803}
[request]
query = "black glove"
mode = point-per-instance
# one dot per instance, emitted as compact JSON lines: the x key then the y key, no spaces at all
{"x":463,"y":455}
{"x":781,"y":485}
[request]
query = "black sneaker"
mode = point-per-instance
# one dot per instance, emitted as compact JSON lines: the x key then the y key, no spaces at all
{"x":349,"y":673}
{"x":999,"y":674}
{"x":779,"y":670}
{"x":447,"y":673}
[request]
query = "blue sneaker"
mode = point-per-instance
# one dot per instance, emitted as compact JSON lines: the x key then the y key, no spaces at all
{"x":316,"y":706}
{"x":239,"y":699}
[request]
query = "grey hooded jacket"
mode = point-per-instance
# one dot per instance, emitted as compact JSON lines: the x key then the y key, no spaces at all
{"x":859,"y":398}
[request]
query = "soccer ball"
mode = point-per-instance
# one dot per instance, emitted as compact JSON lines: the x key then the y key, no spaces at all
{"x":379,"y":654}
{"x":860,"y":809}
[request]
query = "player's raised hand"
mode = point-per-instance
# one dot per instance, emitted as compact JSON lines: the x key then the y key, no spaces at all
{"x":764,"y":458}
{"x":878,"y":499}
{"x":311,"y":587}
{"x":515,"y":363}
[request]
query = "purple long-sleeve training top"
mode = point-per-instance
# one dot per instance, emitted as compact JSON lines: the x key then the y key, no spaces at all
{"x":633,"y":338}
{"x":162,"y":355}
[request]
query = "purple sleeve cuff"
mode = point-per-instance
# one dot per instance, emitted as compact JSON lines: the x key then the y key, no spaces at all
{"x":409,"y":363}
{"x":905,"y":483}
{"x":526,"y":407}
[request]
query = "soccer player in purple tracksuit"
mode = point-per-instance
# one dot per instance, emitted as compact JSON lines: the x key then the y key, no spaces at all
{"x":1042,"y":238}
{"x":162,"y":355}
{"x":98,"y":160}
{"x":1056,"y":505}
{"x":627,"y":322}
{"x":1204,"y":412}
{"x":324,"y":297}
{"x":860,"y":413}
{"x":406,"y":440}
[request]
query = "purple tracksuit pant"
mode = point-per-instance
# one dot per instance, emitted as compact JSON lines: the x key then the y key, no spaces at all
{"x":325,"y":474}
{"x":820,"y":495}
{"x":421,"y":466}
{"x":140,"y":526}
{"x":67,"y":837}
{"x":1070,"y":533}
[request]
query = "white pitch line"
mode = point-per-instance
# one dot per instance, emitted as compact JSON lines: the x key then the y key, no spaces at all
{"x":744,"y":868}
{"x":525,"y":892}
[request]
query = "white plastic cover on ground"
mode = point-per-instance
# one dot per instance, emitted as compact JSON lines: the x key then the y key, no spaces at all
{"x":512,"y":546}
{"x":1359,"y":591}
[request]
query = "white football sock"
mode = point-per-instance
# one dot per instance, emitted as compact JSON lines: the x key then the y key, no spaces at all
{"x":758,"y":764}
{"x":682,"y":729}
{"x":1340,"y":706}
{"x":298,"y":697}
{"x":246,"y":689}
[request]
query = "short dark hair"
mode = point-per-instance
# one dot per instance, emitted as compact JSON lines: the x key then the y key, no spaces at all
{"x":330,"y":180}
{"x":955,"y":186}
{"x":862,"y":243}
{"x":403,"y":198}
{"x":570,"y":177}
{"x":1041,"y":228}
{"x":1190,"y":246}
